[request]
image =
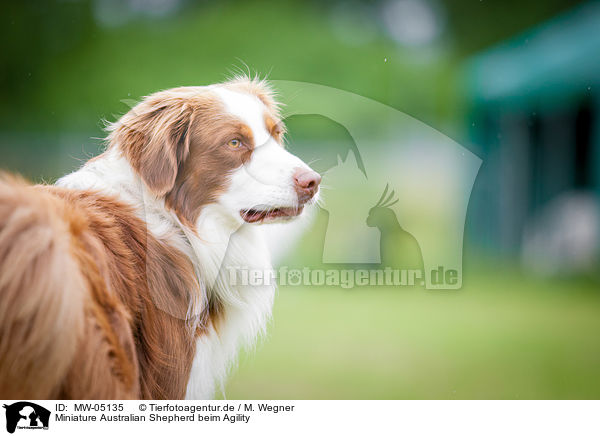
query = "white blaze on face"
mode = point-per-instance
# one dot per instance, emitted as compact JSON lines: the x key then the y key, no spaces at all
{"x":266,"y":180}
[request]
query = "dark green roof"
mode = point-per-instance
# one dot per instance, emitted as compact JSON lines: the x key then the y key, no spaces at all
{"x":558,"y":59}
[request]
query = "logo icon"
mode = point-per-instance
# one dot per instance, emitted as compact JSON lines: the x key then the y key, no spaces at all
{"x":26,"y":415}
{"x":430,"y":174}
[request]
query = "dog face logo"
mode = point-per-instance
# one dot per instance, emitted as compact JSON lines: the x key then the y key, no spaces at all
{"x":26,"y":415}
{"x":430,"y":175}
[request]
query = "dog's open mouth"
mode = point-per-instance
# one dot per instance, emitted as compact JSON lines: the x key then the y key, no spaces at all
{"x":257,"y":215}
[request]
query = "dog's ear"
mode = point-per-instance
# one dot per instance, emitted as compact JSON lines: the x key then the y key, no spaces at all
{"x":155,"y":137}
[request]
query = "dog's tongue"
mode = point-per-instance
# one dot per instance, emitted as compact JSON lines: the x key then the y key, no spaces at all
{"x":253,"y":215}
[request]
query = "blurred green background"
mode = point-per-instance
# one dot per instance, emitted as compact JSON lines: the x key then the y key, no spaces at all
{"x":514,"y":82}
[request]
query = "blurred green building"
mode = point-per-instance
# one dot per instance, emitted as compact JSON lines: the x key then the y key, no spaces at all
{"x":534,"y":104}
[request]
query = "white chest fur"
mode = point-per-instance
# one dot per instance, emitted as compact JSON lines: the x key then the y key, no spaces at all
{"x":247,"y":308}
{"x":222,"y":245}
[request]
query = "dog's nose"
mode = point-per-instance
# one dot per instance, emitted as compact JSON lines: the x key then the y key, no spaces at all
{"x":306,"y":183}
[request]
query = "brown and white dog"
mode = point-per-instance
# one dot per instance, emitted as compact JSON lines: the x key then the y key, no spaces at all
{"x":116,"y":282}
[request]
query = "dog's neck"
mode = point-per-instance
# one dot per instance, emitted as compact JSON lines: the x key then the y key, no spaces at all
{"x":217,"y":243}
{"x":217,"y":246}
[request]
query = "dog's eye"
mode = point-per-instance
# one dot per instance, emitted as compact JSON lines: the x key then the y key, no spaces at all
{"x":235,"y":143}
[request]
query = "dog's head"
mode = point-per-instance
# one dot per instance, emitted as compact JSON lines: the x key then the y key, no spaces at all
{"x":220,"y":144}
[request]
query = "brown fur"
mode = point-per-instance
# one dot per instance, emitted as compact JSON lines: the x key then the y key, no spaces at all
{"x":258,"y":88}
{"x":38,"y":280}
{"x":99,"y":331}
{"x":275,"y":127}
{"x":175,"y":140}
{"x":92,"y":306}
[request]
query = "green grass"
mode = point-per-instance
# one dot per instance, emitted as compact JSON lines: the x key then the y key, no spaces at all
{"x":497,"y":338}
